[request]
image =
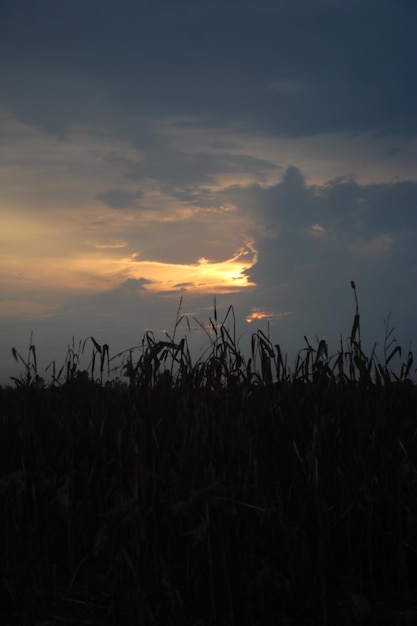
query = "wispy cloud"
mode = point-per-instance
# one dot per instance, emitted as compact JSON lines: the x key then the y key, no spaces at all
{"x":111,"y":243}
{"x":120,"y":199}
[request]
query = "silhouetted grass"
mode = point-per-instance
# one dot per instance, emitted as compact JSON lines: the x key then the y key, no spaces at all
{"x":226,"y":491}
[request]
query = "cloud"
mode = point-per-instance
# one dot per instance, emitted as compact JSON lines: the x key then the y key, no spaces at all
{"x":307,"y":235}
{"x":312,"y":240}
{"x":52,"y":100}
{"x":316,"y":230}
{"x":120,"y":199}
{"x":111,"y":243}
{"x":131,"y":286}
{"x":332,"y":66}
{"x":164,"y":155}
{"x":377,"y":246}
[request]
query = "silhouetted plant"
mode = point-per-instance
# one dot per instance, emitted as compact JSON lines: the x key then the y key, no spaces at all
{"x":229,"y":490}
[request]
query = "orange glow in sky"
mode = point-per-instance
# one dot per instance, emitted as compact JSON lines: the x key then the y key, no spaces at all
{"x":40,"y":255}
{"x":258,"y":314}
{"x":202,"y":277}
{"x":47,"y":270}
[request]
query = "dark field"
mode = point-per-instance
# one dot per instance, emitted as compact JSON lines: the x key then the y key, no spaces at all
{"x":229,"y":491}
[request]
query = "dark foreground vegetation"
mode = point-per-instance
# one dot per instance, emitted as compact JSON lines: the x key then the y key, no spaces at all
{"x":227,"y":492}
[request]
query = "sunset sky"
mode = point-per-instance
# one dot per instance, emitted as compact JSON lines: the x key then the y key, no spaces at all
{"x":263,"y":153}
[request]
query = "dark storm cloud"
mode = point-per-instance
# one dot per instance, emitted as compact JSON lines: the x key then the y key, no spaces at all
{"x":49,"y":99}
{"x":182,"y":173}
{"x":317,"y":236}
{"x":120,"y":199}
{"x":119,"y":297}
{"x":132,"y":285}
{"x":312,"y":240}
{"x":291,"y":68}
{"x":176,"y":167}
{"x":161,"y":157}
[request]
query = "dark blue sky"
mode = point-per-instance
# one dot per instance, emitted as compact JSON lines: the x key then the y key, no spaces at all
{"x":293,"y":68}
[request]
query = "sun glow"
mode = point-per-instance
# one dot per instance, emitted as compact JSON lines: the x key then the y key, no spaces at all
{"x":102,"y":271}
{"x":204,"y":276}
{"x":51,"y":264}
{"x":258,"y":314}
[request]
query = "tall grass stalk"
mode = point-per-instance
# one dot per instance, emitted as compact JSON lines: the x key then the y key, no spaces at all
{"x":228,"y":490}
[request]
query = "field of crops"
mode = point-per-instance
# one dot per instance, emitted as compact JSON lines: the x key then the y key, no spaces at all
{"x":226,"y":491}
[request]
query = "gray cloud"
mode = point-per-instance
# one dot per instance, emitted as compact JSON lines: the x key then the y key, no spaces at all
{"x":131,"y":286}
{"x":48,"y":98}
{"x":339,"y":225}
{"x":336,"y":66}
{"x":312,"y":241}
{"x":120,"y":199}
{"x":161,"y":159}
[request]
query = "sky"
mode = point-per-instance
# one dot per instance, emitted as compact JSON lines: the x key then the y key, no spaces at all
{"x":256,"y":154}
